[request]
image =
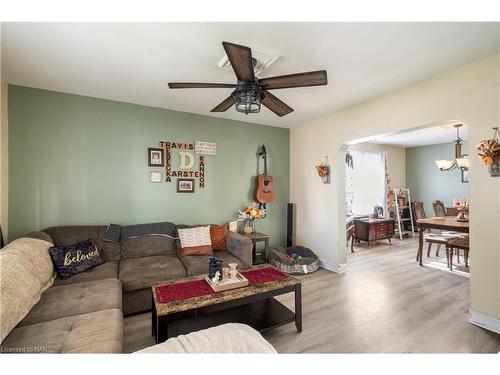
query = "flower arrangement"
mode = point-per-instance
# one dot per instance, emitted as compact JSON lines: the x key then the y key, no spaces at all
{"x":489,"y":149}
{"x":461,"y":204}
{"x":323,"y":170}
{"x":249,"y":215}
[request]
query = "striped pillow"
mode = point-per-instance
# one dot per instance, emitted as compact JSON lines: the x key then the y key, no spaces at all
{"x":195,"y":241}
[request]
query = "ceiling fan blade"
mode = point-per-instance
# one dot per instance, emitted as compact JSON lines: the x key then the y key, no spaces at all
{"x":316,"y":78}
{"x":224,"y":106}
{"x":241,"y":60}
{"x":275,"y":105}
{"x":197,"y":85}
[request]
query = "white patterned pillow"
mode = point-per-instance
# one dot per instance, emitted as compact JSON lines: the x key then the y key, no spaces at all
{"x":195,"y":241}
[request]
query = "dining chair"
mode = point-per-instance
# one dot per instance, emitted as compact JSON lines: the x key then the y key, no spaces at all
{"x":431,"y":238}
{"x":440,"y":211}
{"x":457,"y":244}
{"x":438,"y":208}
{"x":418,"y":210}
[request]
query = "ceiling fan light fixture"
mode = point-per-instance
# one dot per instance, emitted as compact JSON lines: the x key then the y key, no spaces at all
{"x":247,"y":100}
{"x":252,"y":91}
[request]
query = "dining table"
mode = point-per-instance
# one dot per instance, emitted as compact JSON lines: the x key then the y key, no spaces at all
{"x":448,"y":223}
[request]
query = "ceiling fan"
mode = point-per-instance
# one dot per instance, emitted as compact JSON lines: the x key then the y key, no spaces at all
{"x":250,"y":91}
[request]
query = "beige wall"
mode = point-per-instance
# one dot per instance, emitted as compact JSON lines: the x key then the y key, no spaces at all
{"x":470,"y":94}
{"x":4,"y":160}
{"x":396,"y":157}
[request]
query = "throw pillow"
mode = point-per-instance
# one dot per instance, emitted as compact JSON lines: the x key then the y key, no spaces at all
{"x":72,"y":259}
{"x":195,"y":241}
{"x":218,"y":237}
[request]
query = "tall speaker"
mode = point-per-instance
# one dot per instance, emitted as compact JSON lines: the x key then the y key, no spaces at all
{"x":289,"y":224}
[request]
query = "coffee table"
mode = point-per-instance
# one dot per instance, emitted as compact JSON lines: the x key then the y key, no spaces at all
{"x":253,"y":305}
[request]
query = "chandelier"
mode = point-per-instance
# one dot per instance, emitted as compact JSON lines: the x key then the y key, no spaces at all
{"x":461,"y":162}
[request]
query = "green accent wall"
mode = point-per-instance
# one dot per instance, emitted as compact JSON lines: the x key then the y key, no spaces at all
{"x":82,"y":160}
{"x":426,"y":182}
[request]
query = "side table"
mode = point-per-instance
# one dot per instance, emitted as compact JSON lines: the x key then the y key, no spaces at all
{"x":258,"y":237}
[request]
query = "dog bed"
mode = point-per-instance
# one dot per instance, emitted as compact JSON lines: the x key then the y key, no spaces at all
{"x":293,"y":259}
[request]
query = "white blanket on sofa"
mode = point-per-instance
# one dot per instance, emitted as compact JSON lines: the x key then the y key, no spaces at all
{"x":226,"y":338}
{"x":26,"y":270}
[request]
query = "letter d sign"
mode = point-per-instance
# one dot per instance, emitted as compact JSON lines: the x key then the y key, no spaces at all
{"x":187,"y":160}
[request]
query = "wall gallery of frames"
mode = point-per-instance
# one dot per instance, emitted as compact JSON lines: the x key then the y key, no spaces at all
{"x":190,"y":168}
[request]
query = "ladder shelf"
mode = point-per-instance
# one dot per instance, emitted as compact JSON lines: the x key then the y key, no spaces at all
{"x":402,"y":200}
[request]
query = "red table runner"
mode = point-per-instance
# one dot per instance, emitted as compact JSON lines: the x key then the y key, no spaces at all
{"x":198,"y":288}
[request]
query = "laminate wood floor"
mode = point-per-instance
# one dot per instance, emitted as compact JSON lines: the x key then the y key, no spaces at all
{"x":385,"y":303}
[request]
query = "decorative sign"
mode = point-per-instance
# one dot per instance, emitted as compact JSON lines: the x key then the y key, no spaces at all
{"x":205,"y":148}
{"x":186,"y":167}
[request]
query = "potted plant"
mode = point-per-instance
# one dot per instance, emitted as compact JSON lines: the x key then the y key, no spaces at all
{"x":249,"y":215}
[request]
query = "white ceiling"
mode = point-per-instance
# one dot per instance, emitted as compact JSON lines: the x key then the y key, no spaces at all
{"x":442,"y":133}
{"x":132,"y":62}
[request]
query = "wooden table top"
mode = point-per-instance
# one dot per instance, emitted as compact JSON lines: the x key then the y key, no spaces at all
{"x":218,"y":297}
{"x":255,"y":235}
{"x":375,"y":220}
{"x":444,"y":222}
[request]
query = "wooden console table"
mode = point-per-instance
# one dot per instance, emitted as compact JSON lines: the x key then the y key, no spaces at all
{"x":371,"y":230}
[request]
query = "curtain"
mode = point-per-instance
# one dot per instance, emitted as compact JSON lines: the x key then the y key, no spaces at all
{"x":366,"y":183}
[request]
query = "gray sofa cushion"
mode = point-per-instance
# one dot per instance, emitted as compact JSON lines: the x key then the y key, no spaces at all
{"x":40,"y":235}
{"x":108,"y":270}
{"x":96,"y":332}
{"x":198,"y":264}
{"x":148,"y":245}
{"x":69,"y":235}
{"x":240,"y":247}
{"x":140,"y":273}
{"x":76,"y":299}
{"x":137,"y":301}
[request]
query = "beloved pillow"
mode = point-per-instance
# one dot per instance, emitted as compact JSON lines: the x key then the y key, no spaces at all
{"x":72,"y":259}
{"x":218,"y":237}
{"x":195,"y":241}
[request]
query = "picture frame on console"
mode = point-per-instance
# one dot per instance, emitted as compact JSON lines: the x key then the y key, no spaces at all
{"x":155,"y":157}
{"x":185,"y":185}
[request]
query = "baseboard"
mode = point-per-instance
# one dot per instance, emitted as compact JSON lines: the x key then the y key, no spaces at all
{"x":484,"y":321}
{"x":337,"y":268}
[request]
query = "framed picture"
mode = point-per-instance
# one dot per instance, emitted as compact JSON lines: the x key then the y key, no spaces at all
{"x":233,"y":226}
{"x":185,"y":185}
{"x":155,"y":176}
{"x":495,"y":167}
{"x":155,"y":157}
{"x":465,"y":176}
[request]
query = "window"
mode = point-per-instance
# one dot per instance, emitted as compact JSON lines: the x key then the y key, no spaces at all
{"x":366,"y":183}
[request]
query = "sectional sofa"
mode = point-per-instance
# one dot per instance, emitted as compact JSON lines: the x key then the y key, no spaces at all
{"x":84,"y":313}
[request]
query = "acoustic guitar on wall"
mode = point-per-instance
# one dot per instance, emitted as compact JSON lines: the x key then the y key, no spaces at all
{"x":264,"y":191}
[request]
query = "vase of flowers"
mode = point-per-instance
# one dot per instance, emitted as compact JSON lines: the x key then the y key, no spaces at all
{"x":249,"y":215}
